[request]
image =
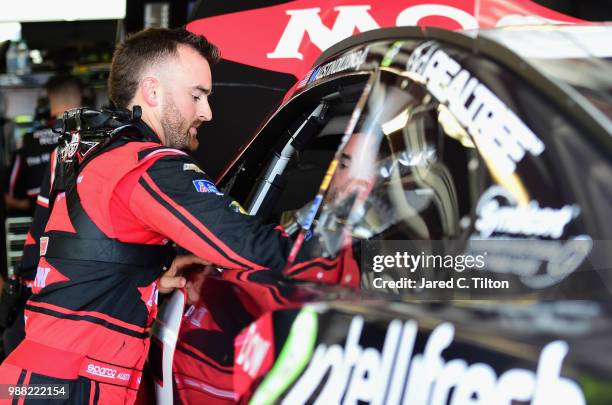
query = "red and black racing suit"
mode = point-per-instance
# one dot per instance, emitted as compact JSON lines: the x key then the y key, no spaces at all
{"x":95,"y":292}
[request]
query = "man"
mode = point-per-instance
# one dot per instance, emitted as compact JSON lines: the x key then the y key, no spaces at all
{"x":64,"y":92}
{"x":332,"y":255}
{"x":107,"y":237}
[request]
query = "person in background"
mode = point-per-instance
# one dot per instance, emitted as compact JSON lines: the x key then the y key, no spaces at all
{"x":28,"y":193}
{"x":28,"y":167}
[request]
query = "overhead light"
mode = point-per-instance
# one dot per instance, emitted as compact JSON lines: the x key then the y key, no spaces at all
{"x":63,"y":10}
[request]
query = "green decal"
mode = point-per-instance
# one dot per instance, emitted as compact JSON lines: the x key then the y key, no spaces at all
{"x":597,"y":391}
{"x":391,"y":52}
{"x":292,"y":359}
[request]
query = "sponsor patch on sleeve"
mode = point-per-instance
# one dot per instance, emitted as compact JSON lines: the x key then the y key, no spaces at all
{"x":193,"y":167}
{"x":44,"y":242}
{"x":205,"y":186}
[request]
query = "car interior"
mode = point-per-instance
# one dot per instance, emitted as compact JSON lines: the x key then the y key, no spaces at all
{"x":425,"y":152}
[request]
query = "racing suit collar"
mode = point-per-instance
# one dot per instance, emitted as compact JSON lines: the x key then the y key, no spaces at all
{"x":147,"y":132}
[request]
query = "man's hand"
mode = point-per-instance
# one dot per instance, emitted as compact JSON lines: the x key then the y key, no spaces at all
{"x":172,"y":278}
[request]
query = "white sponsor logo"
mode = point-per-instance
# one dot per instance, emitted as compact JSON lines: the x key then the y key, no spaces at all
{"x":252,"y":352}
{"x":351,"y":19}
{"x":46,"y":136}
{"x":501,"y":136}
{"x":37,"y":160}
{"x":189,"y":311}
{"x":154,"y":294}
{"x":351,"y":61}
{"x":106,"y":372}
{"x":44,"y":243}
{"x":196,"y":315}
{"x":497,"y":211}
{"x":123,"y":376}
{"x":192,"y":167}
{"x":358,"y":374}
{"x":40,"y":281}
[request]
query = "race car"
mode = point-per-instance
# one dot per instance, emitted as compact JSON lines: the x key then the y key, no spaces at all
{"x":448,"y":195}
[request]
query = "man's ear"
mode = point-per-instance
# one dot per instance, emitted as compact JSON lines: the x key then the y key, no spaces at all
{"x":149,"y":88}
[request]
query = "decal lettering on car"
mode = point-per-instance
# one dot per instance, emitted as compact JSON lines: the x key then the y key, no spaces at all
{"x":498,"y":212}
{"x":502,"y":138}
{"x":350,"y":61}
{"x":357,"y":374}
{"x":253,"y":351}
{"x":527,"y":229}
{"x":295,"y":32}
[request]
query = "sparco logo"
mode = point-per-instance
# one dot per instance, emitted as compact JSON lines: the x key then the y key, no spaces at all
{"x":358,"y":374}
{"x":101,"y":371}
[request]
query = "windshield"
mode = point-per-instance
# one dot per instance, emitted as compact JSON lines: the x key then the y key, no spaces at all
{"x":407,"y":185}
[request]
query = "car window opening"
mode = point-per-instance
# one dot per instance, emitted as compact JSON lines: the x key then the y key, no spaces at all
{"x":295,"y":170}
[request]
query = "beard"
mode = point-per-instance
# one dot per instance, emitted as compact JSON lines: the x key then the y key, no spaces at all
{"x":176,"y":129}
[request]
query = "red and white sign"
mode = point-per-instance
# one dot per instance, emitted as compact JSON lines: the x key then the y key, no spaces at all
{"x":289,"y":37}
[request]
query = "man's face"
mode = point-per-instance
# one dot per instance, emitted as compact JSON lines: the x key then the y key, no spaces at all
{"x":187,"y":85}
{"x":355,"y":165}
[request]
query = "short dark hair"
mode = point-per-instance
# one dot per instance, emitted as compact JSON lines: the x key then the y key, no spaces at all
{"x":146,"y":47}
{"x":62,"y":84}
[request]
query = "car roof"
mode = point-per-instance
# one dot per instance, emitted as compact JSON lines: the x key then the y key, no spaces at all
{"x":554,"y":41}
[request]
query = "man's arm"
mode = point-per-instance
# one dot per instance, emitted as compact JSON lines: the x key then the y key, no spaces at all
{"x":183,"y":204}
{"x":31,"y":249}
{"x":15,"y":196}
